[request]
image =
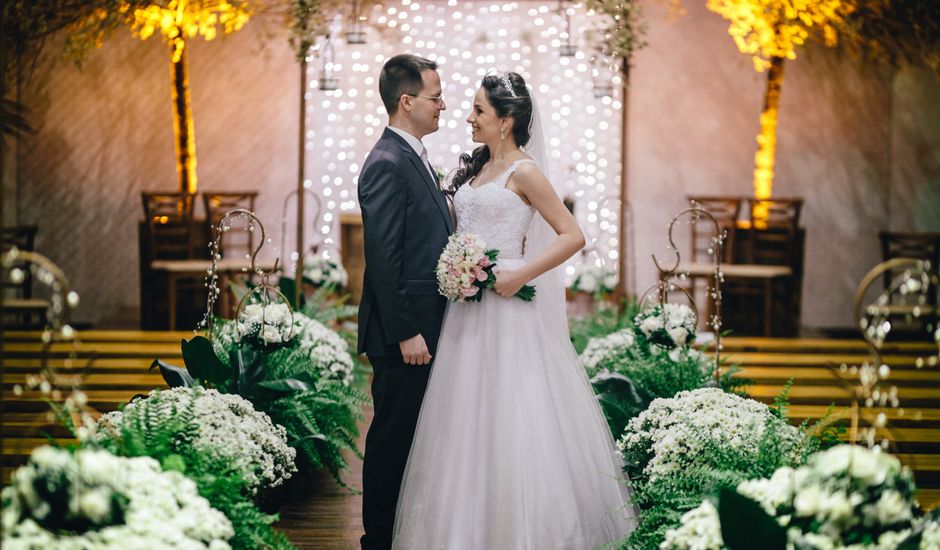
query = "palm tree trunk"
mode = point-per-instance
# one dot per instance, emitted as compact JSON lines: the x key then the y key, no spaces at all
{"x":184,"y":131}
{"x":767,"y":140}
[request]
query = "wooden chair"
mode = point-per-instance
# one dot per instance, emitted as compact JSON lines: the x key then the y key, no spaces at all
{"x":171,"y":239}
{"x":17,"y":297}
{"x":774,"y":225}
{"x":725,"y":210}
{"x":771,"y":281}
{"x":169,"y":218}
{"x":922,"y":246}
{"x":217,"y":205}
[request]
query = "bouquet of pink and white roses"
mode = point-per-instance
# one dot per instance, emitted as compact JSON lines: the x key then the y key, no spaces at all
{"x":466,"y":268}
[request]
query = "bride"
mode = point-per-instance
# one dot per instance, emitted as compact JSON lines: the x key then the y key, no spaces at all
{"x":511,"y":449}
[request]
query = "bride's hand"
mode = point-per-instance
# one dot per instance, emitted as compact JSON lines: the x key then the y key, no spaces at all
{"x":509,"y":282}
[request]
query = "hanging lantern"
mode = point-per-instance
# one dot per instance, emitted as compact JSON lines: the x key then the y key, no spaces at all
{"x":567,"y":48}
{"x":328,"y":80}
{"x":356,"y":34}
{"x":602,"y":77}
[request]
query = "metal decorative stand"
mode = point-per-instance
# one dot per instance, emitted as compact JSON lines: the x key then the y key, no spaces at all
{"x":265,"y":290}
{"x":913,"y":293}
{"x":316,"y":215}
{"x":62,"y":388}
{"x":669,"y":275}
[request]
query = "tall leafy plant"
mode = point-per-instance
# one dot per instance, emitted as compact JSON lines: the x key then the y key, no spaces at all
{"x":320,"y":415}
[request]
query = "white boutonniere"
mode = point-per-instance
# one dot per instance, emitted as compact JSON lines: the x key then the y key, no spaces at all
{"x":440,"y":175}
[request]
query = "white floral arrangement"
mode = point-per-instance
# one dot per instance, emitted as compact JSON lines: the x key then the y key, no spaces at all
{"x":228,"y":426}
{"x":844,"y":497}
{"x":270,"y":323}
{"x":669,"y":325}
{"x":594,"y":279}
{"x":328,"y":351}
{"x":673,"y":434}
{"x":601,"y":350}
{"x":699,"y":529}
{"x":931,"y":535}
{"x":93,"y":499}
{"x":324,"y":272}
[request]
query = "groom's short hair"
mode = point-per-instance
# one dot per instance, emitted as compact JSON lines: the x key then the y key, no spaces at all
{"x":402,"y":75}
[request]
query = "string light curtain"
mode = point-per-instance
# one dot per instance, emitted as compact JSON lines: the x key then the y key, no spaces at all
{"x":468,"y":40}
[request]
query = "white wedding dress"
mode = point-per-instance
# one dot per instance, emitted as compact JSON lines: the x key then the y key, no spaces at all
{"x":511,"y":450}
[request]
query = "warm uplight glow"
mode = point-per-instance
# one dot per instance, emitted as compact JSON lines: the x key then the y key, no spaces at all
{"x":183,"y":19}
{"x":766,"y":29}
{"x":177,"y":21}
{"x":771,"y":31}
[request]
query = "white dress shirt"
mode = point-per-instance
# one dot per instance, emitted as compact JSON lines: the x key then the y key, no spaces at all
{"x":416,"y":144}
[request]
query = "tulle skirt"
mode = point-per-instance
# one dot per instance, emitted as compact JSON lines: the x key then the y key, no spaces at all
{"x":512,"y":450}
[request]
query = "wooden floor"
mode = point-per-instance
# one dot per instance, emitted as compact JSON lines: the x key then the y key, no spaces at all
{"x":324,"y":515}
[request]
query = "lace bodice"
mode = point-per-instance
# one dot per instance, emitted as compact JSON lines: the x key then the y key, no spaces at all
{"x":498,"y":215}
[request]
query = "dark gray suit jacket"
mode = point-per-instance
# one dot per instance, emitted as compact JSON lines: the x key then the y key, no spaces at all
{"x":406,"y":224}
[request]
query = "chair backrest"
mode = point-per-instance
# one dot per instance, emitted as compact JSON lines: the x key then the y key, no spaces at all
{"x":923,"y":246}
{"x":169,"y":218}
{"x":233,"y":243}
{"x":774,"y":226}
{"x":725,"y":210}
{"x":23,"y":238}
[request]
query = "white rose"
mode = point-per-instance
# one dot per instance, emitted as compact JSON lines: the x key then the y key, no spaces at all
{"x":95,"y":505}
{"x":836,"y":506}
{"x":807,"y":502}
{"x":679,"y":335}
{"x":610,"y":281}
{"x":891,"y":508}
{"x":587,"y":283}
{"x":271,"y":335}
{"x":651,"y":325}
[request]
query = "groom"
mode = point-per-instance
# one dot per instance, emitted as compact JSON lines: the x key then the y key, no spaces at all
{"x":406,"y":223}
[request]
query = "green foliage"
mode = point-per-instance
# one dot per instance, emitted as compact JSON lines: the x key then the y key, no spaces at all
{"x":321,"y":423}
{"x":606,"y":319}
{"x":664,"y":500}
{"x":734,"y":508}
{"x":628,"y":377}
{"x":164,"y":431}
{"x":895,"y":33}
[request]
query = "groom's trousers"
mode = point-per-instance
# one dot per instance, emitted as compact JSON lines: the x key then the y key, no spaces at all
{"x":397,"y":392}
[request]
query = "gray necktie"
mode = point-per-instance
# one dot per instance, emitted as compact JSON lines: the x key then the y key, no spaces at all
{"x":424,"y":159}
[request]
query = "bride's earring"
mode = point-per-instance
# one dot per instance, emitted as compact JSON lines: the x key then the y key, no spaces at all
{"x":501,"y":134}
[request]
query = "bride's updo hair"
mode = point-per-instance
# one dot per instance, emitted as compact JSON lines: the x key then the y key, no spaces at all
{"x":508,"y":95}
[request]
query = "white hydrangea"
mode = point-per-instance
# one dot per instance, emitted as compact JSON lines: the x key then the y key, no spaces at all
{"x":228,"y":427}
{"x":602,"y":349}
{"x":675,"y":432}
{"x":930,"y":540}
{"x":699,"y":529}
{"x":841,"y":491}
{"x":325,"y":272}
{"x":128,"y":502}
{"x":328,"y":351}
{"x":593,"y":278}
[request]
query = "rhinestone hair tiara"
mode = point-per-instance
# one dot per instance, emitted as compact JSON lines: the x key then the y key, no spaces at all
{"x":504,"y":80}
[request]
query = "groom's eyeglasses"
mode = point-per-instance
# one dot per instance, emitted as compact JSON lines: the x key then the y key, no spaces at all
{"x":436,"y":99}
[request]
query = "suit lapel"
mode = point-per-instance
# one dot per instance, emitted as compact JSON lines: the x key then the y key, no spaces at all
{"x":418,"y":164}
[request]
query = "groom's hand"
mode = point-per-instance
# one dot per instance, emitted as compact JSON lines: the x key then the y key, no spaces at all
{"x":415,"y":351}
